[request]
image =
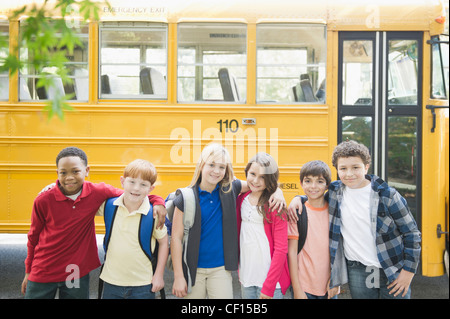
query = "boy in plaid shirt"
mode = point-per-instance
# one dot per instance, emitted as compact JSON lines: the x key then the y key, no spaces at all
{"x":374,"y":239}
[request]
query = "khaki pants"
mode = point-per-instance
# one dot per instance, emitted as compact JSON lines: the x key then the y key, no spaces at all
{"x":216,"y":283}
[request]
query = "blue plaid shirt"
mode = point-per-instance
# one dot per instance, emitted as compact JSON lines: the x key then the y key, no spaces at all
{"x":396,"y":234}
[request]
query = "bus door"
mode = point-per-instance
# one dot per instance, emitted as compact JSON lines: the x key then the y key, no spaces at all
{"x":379,"y":105}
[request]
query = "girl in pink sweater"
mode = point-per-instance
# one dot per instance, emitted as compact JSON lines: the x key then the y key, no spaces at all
{"x":263,"y":243}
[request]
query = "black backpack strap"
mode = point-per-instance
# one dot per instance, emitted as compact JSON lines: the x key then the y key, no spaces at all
{"x":302,"y":225}
{"x":100,"y":284}
{"x":109,"y":215}
{"x":162,"y":292}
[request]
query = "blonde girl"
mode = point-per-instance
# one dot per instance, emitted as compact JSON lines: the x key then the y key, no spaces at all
{"x":263,"y":241}
{"x":212,"y":251}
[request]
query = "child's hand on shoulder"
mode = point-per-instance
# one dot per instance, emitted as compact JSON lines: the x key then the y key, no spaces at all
{"x":47,"y":188}
{"x":277,"y":201}
{"x":160,"y":212}
{"x":296,"y":204}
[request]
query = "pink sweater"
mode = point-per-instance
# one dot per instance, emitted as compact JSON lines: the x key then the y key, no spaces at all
{"x":276,"y":231}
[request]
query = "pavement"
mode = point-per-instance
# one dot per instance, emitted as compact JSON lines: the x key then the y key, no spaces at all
{"x":13,"y":251}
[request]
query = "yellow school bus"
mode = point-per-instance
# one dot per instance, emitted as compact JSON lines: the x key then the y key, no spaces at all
{"x":159,"y":80}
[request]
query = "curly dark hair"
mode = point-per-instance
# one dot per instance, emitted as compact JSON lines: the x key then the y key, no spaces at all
{"x":351,"y":149}
{"x":72,"y":151}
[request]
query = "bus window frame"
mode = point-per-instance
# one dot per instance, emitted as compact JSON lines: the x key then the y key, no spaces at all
{"x":436,"y":42}
{"x":308,"y":65}
{"x":395,"y":86}
{"x":199,"y":78}
{"x":142,"y":26}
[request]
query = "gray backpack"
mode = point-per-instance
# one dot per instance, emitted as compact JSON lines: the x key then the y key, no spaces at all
{"x":188,"y":221}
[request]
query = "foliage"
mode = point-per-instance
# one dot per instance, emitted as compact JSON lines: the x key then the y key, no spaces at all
{"x":48,"y":41}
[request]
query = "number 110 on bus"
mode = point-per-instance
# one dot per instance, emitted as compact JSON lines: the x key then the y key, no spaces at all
{"x":229,"y":125}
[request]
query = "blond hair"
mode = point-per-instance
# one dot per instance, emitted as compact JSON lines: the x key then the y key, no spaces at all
{"x":216,"y":153}
{"x":141,"y":169}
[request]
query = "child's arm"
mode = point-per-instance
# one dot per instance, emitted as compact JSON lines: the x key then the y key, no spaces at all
{"x":179,"y":288}
{"x":293,"y":269}
{"x":276,"y":201}
{"x":280,"y":245}
{"x":296,"y":204}
{"x":23,"y":288}
{"x":159,"y":208}
{"x":401,"y":284}
{"x":163,"y":253}
{"x":333,"y":291}
{"x":405,"y":223}
{"x":37,"y":225}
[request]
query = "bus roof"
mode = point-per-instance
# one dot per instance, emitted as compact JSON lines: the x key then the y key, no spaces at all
{"x":337,"y":14}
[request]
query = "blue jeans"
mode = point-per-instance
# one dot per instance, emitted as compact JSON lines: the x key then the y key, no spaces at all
{"x":127,"y":292}
{"x":253,"y":292}
{"x":310,"y":296}
{"x":369,"y":282}
{"x":47,"y":290}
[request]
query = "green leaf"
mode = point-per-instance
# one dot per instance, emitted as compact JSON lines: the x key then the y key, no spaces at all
{"x":47,"y":42}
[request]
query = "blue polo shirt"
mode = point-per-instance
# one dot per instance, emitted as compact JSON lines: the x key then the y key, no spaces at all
{"x":211,"y":238}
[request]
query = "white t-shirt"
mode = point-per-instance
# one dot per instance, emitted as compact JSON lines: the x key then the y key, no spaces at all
{"x":356,"y":229}
{"x":254,"y":259}
{"x":74,"y":196}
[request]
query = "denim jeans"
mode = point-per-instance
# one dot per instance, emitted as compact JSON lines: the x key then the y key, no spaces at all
{"x":48,"y":290}
{"x":310,"y":296}
{"x":127,"y":292}
{"x":369,"y":282}
{"x":253,"y":292}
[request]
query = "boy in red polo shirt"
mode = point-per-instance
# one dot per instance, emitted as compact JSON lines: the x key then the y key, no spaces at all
{"x":62,"y":248}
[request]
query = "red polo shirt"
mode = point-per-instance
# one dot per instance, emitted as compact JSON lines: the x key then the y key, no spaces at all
{"x":62,"y":232}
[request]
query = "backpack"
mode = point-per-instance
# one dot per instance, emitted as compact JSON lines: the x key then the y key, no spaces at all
{"x":145,"y":236}
{"x":302,"y":224}
{"x":188,"y":221}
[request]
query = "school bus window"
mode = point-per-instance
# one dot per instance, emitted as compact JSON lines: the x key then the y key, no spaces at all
{"x":402,"y":72}
{"x":438,"y":83}
{"x":402,"y":150}
{"x":291,"y":62}
{"x":133,"y":60}
{"x":357,"y":72}
{"x":445,"y":59}
{"x":358,"y":128}
{"x":76,"y":68}
{"x":212,"y":62}
{"x":4,"y":81}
